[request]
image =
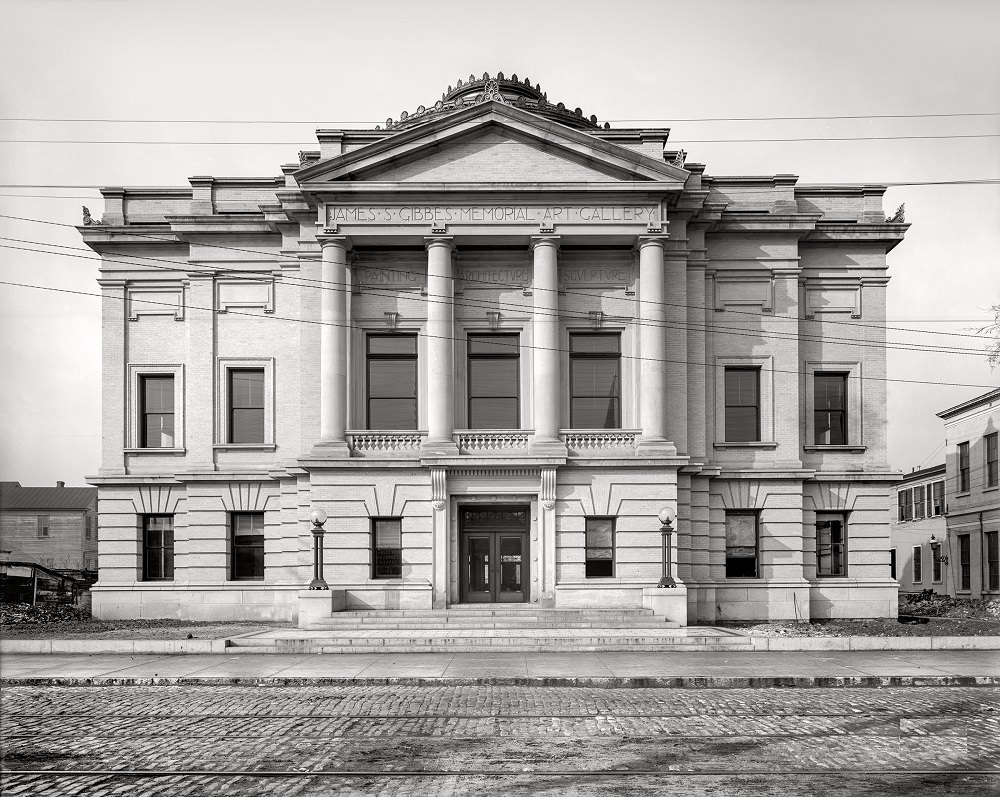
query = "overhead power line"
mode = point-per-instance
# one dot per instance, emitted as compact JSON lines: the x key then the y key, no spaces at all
{"x":301,"y":143}
{"x":853,"y":325}
{"x":272,"y":317}
{"x":886,"y":183}
{"x":488,"y":304}
{"x":367,"y":122}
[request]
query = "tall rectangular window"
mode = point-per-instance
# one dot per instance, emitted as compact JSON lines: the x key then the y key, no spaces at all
{"x":992,"y":473}
{"x":937,"y":501}
{"x":907,"y":504}
{"x":392,"y":382}
{"x":936,"y":564}
{"x":157,"y":547}
{"x":918,"y":502}
{"x":246,"y":531}
{"x":831,"y":545}
{"x":246,"y":405}
{"x":156,"y":411}
{"x":892,"y":563}
{"x":901,"y":505}
{"x":918,"y":570}
{"x":86,"y":527}
{"x":963,"y":467}
{"x":493,"y":381}
{"x":992,"y":562}
{"x":595,"y":381}
{"x":387,"y":548}
{"x":742,"y":405}
{"x":42,"y":526}
{"x":741,"y":545}
{"x":830,"y":409}
{"x":965,"y":561}
{"x":600,"y":547}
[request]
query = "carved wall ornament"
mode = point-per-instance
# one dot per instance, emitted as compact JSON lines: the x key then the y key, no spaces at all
{"x":494,"y":318}
{"x":679,"y":157}
{"x":899,"y":217}
{"x":391,"y":319}
{"x":90,"y":221}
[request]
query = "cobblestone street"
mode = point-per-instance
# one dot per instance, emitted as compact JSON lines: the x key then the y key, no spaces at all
{"x":510,"y":740}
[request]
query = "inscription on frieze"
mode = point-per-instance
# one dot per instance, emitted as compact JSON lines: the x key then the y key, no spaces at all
{"x":546,"y":215}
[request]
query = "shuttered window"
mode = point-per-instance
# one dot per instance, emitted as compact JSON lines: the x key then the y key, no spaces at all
{"x":246,"y":405}
{"x":493,"y":381}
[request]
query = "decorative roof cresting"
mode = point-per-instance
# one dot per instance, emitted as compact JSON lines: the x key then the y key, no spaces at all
{"x":509,"y":91}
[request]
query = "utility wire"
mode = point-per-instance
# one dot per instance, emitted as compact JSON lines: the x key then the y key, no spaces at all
{"x":348,"y":326}
{"x":487,"y":304}
{"x":886,"y":183}
{"x":271,"y":255}
{"x":679,"y":141}
{"x":669,"y":121}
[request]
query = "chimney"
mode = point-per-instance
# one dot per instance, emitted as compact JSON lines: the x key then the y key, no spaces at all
{"x":60,"y":484}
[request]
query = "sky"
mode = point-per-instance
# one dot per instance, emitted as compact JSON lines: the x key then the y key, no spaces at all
{"x":312,"y":64}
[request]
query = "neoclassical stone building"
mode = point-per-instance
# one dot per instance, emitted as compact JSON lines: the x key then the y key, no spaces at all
{"x":491,"y":340}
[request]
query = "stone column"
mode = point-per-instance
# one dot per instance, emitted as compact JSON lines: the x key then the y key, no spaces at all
{"x":546,"y":391}
{"x":652,"y":345}
{"x":333,"y":345}
{"x":440,"y":348}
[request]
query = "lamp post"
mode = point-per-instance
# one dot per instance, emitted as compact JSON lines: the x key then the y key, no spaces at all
{"x":318,"y":517}
{"x":666,"y":517}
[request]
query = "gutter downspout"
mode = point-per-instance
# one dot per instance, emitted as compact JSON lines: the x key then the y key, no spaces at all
{"x":982,"y":557}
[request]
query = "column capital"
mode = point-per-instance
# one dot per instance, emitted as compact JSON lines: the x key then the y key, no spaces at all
{"x":642,"y":241}
{"x":431,"y":241}
{"x":325,"y":239}
{"x":545,"y":240}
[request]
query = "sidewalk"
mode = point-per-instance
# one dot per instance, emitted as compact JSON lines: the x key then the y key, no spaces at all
{"x":717,"y":669}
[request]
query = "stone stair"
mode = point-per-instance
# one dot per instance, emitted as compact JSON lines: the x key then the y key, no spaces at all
{"x":470,"y":629}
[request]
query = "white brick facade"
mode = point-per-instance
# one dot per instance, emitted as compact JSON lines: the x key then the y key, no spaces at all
{"x":291,"y":277}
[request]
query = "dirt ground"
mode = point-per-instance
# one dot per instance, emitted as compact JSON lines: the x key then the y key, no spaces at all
{"x":920,"y":615}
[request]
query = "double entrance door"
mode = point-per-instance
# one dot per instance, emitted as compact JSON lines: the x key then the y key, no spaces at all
{"x":494,"y":554}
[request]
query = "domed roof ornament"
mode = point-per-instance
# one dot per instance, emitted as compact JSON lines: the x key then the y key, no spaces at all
{"x":514,"y":91}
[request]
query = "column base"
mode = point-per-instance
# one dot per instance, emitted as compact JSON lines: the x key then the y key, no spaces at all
{"x":548,"y":448}
{"x":331,"y":449}
{"x":439,"y":448}
{"x":656,"y":446}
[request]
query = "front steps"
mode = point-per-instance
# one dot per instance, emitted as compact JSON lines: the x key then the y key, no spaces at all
{"x":520,"y":628}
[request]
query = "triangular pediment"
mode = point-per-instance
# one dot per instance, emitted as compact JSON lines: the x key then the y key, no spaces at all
{"x":492,"y":143}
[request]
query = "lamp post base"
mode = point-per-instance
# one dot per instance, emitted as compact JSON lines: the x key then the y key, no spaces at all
{"x":667,"y":582}
{"x":318,"y":583}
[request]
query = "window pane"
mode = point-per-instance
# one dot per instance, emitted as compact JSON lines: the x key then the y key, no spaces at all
{"x":493,"y":413}
{"x":830,"y":391}
{"x":492,"y":378}
{"x":598,"y":533}
{"x":741,"y":387}
{"x":158,"y":393}
{"x":392,"y":414}
{"x":595,"y":344}
{"x":246,"y":388}
{"x":392,"y":344}
{"x":741,"y":424}
{"x":741,"y":545}
{"x":493,"y":345}
{"x":600,"y":568}
{"x":595,"y":413}
{"x":247,"y":426}
{"x":392,"y":378}
{"x":388,"y":533}
{"x":595,"y":378}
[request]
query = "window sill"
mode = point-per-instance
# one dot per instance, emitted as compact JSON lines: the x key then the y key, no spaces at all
{"x":155,"y":450}
{"x":992,"y":489}
{"x":245,"y":447}
{"x":828,"y":576}
{"x":844,"y":448}
{"x":754,"y":444}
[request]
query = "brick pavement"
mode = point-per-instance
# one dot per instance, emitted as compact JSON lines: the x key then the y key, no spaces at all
{"x":431,"y":740}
